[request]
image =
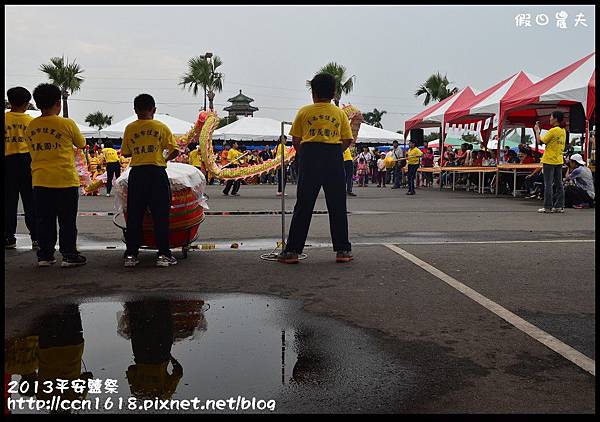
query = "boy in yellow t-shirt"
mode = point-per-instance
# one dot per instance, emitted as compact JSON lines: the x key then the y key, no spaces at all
{"x":113,"y":164}
{"x":17,"y":167}
{"x":233,"y":157}
{"x":413,"y":157}
{"x":55,"y":181}
{"x":146,"y":140}
{"x":320,"y":133}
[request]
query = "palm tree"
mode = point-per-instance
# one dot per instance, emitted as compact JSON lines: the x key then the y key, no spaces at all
{"x":7,"y":105}
{"x":373,"y":118}
{"x":343,"y":84}
{"x":65,"y":76}
{"x":202,"y":74}
{"x":99,"y":120}
{"x":435,"y":89}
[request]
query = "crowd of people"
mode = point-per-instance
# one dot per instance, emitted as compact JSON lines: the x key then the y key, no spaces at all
{"x":40,"y":156}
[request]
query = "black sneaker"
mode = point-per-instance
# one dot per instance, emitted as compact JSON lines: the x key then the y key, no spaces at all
{"x":73,"y":261}
{"x":165,"y":261}
{"x":226,"y":193}
{"x":10,"y":244}
{"x":35,"y":245}
{"x":287,"y":258}
{"x":351,"y":193}
{"x":343,"y":256}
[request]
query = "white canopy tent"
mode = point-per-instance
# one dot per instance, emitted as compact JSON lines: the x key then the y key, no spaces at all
{"x":86,"y":131}
{"x":375,"y":135}
{"x":251,"y":129}
{"x":177,"y":126}
{"x":264,"y":129}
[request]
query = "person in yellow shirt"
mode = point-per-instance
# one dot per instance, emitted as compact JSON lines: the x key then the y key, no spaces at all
{"x":280,"y":178}
{"x":552,"y":162}
{"x":60,"y":351}
{"x":113,"y":164}
{"x":233,"y":157}
{"x":194,"y":156}
{"x":320,"y":133}
{"x":146,"y":141}
{"x":17,"y":167}
{"x":413,"y":158}
{"x":55,"y":181}
{"x":348,"y":170}
{"x":152,"y":333}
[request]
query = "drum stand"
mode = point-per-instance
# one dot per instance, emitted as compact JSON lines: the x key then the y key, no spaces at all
{"x":272,"y":256}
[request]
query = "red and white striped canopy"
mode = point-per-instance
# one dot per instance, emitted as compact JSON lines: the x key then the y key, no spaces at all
{"x":486,"y":106}
{"x":433,"y":116}
{"x":573,"y":84}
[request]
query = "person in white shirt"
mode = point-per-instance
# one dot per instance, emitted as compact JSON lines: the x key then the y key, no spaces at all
{"x":397,"y":153}
{"x":381,"y":170}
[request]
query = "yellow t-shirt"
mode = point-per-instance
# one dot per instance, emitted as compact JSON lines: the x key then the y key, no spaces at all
{"x":110,"y":155}
{"x":555,"y":141}
{"x":145,"y":141}
{"x":278,"y":152}
{"x":321,"y":122}
{"x":62,"y":362}
{"x":15,"y":137}
{"x":51,"y":140}
{"x":150,"y":380}
{"x":347,"y":154}
{"x":232,"y":154}
{"x":21,"y":355}
{"x":193,"y":158}
{"x":413,"y":155}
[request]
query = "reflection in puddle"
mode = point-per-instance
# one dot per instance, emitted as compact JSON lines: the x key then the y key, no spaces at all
{"x":211,"y":348}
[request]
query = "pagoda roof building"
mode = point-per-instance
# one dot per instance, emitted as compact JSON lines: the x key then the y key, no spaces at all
{"x":240,"y":106}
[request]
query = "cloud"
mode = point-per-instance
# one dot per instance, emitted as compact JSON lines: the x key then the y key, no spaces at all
{"x":91,"y":48}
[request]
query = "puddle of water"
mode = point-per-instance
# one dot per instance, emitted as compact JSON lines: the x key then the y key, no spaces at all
{"x":210,"y":347}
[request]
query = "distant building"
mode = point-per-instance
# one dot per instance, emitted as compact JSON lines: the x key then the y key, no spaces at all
{"x":240,"y":106}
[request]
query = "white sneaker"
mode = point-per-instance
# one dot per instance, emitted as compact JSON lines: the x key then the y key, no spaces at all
{"x":557,"y":210}
{"x":46,"y":263}
{"x":165,"y":261}
{"x":108,"y":194}
{"x":131,"y":261}
{"x":544,"y":211}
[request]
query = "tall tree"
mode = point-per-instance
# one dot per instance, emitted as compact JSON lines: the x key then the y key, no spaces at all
{"x":65,"y":75}
{"x":226,"y":120}
{"x":99,"y":120}
{"x":435,"y":88}
{"x":343,"y":83}
{"x":202,"y":73}
{"x":470,"y":138}
{"x":373,"y":118}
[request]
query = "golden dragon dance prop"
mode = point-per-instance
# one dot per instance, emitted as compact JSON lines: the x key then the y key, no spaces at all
{"x":208,"y":121}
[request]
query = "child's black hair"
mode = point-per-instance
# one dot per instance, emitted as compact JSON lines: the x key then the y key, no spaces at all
{"x":144,"y":102}
{"x":323,"y":86}
{"x":18,"y":96}
{"x":46,"y":95}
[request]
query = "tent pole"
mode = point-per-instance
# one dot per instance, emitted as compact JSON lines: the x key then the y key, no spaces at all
{"x":586,"y":143}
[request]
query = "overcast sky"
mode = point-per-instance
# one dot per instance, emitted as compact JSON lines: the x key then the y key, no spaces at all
{"x":270,"y":51}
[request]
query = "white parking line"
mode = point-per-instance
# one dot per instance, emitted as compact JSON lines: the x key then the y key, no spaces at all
{"x":531,"y":330}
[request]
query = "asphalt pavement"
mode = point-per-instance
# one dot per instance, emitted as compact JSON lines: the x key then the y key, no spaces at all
{"x":465,"y":358}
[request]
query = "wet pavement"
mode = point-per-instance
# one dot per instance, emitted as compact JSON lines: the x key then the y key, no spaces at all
{"x":377,"y":335}
{"x":217,"y":346}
